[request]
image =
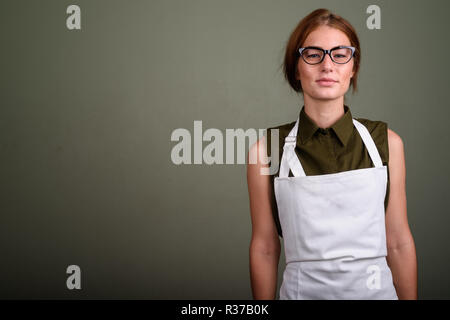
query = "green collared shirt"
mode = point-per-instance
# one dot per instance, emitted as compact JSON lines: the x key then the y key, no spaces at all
{"x":331,"y":150}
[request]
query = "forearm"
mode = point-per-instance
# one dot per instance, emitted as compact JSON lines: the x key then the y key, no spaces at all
{"x":264,"y":274}
{"x":403,"y":264}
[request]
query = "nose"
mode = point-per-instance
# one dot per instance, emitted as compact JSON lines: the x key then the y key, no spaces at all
{"x":327,"y":62}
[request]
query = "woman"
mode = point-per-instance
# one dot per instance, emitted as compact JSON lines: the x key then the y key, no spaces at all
{"x":338,"y":198}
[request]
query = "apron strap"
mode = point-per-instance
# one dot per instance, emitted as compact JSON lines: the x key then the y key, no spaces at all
{"x":370,"y":145}
{"x":289,"y":159}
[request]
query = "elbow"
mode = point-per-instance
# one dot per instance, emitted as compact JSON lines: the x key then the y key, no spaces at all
{"x":402,"y":245}
{"x":266,"y":248}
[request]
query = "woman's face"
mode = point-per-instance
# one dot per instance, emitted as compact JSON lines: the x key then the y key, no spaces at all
{"x":325,"y":37}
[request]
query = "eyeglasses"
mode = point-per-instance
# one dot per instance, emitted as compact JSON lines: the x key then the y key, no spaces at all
{"x":315,"y":55}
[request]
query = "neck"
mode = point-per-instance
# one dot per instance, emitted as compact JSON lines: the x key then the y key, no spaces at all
{"x":324,"y":113}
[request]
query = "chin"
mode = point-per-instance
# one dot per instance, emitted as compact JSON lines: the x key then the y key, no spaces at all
{"x":323,"y":95}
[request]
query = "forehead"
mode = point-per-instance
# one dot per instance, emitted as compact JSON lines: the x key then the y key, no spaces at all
{"x":326,"y":37}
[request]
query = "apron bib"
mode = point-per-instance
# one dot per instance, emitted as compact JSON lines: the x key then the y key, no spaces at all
{"x":334,"y":231}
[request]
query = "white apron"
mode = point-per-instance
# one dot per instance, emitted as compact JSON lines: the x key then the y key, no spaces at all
{"x":334,"y":229}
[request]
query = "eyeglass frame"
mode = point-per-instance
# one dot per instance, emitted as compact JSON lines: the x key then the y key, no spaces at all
{"x":300,"y":50}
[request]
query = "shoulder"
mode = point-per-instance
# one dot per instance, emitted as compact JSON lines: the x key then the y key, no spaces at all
{"x":263,"y":146}
{"x":379,"y":129}
{"x":395,"y":143}
{"x":280,"y":132}
{"x":375,"y":127}
{"x":379,"y":132}
{"x":284,"y":128}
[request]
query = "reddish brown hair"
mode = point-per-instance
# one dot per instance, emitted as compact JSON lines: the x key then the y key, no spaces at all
{"x":315,"y":19}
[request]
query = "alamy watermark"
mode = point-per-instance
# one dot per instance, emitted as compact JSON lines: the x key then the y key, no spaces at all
{"x":374,"y":279}
{"x":74,"y":280}
{"x":73,"y":21}
{"x":213,"y":152}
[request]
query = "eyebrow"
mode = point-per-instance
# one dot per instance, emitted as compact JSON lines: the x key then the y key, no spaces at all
{"x":316,"y":47}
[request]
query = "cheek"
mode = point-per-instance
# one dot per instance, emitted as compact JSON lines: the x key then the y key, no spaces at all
{"x":305,"y":73}
{"x":345,"y":74}
{"x":350,"y":69}
{"x":349,"y":75}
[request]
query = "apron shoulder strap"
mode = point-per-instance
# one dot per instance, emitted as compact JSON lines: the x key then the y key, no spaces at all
{"x":369,"y":143}
{"x":289,"y":159}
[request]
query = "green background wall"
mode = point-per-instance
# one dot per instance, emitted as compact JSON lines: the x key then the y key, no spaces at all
{"x":86,"y":118}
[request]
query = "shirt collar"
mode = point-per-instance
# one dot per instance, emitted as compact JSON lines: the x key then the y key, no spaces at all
{"x":343,"y":127}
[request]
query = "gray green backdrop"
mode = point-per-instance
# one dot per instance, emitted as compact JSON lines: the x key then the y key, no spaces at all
{"x":86,"y":118}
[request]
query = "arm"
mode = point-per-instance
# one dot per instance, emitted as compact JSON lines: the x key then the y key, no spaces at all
{"x":265,"y":245}
{"x":400,"y":243}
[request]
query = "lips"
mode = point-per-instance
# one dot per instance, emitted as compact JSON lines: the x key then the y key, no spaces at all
{"x":326,"y":79}
{"x":326,"y":82}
